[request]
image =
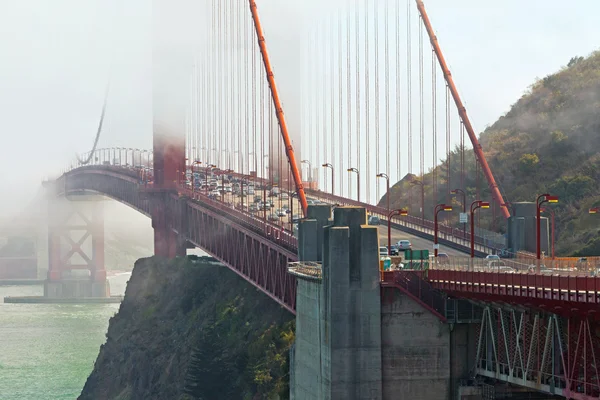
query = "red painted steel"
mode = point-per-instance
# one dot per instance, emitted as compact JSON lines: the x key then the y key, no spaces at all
{"x":541,"y":351}
{"x":566,"y":292}
{"x":256,"y":251}
{"x":60,"y":233}
{"x":412,"y":284}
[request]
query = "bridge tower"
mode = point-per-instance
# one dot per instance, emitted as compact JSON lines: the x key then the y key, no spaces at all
{"x":171,"y":68}
{"x":76,"y":248}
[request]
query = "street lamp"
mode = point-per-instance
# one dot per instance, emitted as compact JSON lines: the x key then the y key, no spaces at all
{"x":541,"y":199}
{"x":464,"y":205}
{"x":400,"y":212}
{"x":438,"y":208}
{"x":328,"y":165}
{"x":474,"y":206}
{"x":194,"y":176}
{"x":387,"y":179}
{"x":551,"y":212}
{"x":209,"y":169}
{"x":417,"y":182}
{"x":357,"y":182}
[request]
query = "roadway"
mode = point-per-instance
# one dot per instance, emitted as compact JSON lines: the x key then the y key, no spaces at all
{"x":417,"y":242}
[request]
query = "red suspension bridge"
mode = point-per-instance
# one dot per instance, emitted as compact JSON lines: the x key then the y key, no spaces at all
{"x":372,"y":98}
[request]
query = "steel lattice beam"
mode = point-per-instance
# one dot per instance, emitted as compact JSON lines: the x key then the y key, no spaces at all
{"x":258,"y":253}
{"x":542,"y":351}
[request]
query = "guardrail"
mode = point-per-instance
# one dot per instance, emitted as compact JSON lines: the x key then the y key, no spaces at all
{"x":545,"y":267}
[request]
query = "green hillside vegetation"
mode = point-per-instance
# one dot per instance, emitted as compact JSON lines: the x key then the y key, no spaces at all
{"x":190,"y":328}
{"x":549,"y":141}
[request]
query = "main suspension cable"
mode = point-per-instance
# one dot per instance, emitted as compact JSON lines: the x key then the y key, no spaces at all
{"x":99,"y":130}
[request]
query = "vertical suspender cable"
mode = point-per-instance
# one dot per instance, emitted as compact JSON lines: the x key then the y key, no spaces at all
{"x":358,"y":83}
{"x":348,"y":96}
{"x":230,"y":62}
{"x":462,"y":155}
{"x":240,"y":92}
{"x":377,"y":139}
{"x":254,"y":79}
{"x":332,"y":99}
{"x":398,"y":102}
{"x":448,"y":144}
{"x":319,"y":98}
{"x":421,"y":110}
{"x":387,"y":90}
{"x":434,"y":113}
{"x":221,"y":78}
{"x":409,"y":92}
{"x":212,"y":136}
{"x":340,"y":166}
{"x":367,"y":105}
{"x":246,"y":91}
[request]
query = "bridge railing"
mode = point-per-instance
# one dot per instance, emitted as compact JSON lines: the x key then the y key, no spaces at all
{"x":546,"y":267}
{"x":413,"y":284}
{"x":272,"y":231}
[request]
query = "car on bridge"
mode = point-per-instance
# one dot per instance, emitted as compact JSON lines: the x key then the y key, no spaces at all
{"x":403,"y":244}
{"x":373,"y":220}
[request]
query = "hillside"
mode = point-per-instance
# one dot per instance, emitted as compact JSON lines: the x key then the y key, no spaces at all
{"x":192,"y":329}
{"x":549,"y":141}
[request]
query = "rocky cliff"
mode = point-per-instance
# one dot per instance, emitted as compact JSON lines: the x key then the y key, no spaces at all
{"x":192,"y":329}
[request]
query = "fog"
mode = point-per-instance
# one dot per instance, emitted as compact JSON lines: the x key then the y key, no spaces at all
{"x":58,"y":56}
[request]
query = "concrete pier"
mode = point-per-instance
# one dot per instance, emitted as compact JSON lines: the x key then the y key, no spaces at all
{"x":356,"y":340}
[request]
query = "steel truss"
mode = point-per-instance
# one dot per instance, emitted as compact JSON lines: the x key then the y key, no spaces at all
{"x":257,"y":253}
{"x":542,"y":351}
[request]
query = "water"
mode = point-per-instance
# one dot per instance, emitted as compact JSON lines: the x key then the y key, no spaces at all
{"x":47,"y":351}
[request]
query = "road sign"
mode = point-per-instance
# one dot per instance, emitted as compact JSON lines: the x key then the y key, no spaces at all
{"x":436,"y":246}
{"x":464,"y":218}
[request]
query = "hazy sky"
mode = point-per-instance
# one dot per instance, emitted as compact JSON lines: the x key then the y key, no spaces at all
{"x":55,"y":58}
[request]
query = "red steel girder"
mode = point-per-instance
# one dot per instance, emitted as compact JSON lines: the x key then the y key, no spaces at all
{"x":257,"y":252}
{"x":541,"y":351}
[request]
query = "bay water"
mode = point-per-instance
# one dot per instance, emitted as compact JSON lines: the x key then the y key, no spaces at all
{"x":47,"y":351}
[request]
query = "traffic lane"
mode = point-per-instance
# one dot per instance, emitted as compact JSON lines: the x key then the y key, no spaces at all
{"x":418,"y":243}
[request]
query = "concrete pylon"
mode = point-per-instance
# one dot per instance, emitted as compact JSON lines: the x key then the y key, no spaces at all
{"x":337,"y":353}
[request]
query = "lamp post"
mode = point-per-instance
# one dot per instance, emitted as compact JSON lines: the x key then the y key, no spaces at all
{"x":209,"y":169}
{"x":464,"y":206}
{"x":357,"y":182}
{"x":474,"y":206}
{"x":294,"y":193}
{"x":541,"y":199}
{"x":417,"y":182}
{"x":400,"y":212}
{"x":438,"y":208}
{"x":551,"y":212}
{"x":194,"y":176}
{"x":328,"y":165}
{"x":387,"y":180}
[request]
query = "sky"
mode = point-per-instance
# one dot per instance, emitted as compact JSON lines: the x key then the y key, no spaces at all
{"x":57,"y":57}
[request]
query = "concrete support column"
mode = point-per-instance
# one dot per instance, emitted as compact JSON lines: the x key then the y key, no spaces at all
{"x":338,"y":318}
